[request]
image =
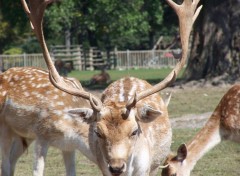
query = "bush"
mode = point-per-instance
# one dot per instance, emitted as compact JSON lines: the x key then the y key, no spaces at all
{"x":13,"y":51}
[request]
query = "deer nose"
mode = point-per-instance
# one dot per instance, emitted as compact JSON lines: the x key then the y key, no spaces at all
{"x":117,"y":167}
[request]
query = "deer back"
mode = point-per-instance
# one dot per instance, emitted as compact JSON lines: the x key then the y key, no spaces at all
{"x":33,"y":107}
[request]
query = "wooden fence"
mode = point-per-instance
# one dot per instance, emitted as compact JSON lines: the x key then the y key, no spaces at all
{"x":23,"y":60}
{"x":95,"y":59}
{"x":144,"y":59}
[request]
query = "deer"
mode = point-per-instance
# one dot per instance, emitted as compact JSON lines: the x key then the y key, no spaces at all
{"x":33,"y":109}
{"x":131,"y":134}
{"x":100,"y":78}
{"x":125,"y":132}
{"x":223,"y":124}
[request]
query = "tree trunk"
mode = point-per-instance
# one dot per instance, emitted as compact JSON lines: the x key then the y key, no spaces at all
{"x":216,"y":41}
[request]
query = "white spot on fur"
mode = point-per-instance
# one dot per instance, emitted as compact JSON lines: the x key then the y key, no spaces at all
{"x":44,"y":114}
{"x":64,"y":94}
{"x":132,"y":91}
{"x":27,"y":94}
{"x":55,"y":97}
{"x":60,"y":103}
{"x":40,"y":71}
{"x":121,"y":93}
{"x":16,"y":77}
{"x":4,"y":93}
{"x":58,"y":112}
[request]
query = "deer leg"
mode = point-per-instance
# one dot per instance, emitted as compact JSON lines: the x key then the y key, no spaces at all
{"x":69,"y":160}
{"x":6,"y":142}
{"x":18,"y":148}
{"x":40,"y":152}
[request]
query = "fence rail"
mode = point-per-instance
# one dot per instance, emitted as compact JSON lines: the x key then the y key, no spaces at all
{"x":97,"y":59}
{"x":145,"y":59}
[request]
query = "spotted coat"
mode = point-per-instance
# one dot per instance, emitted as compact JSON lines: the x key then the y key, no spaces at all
{"x":32,"y":108}
{"x":224,"y":124}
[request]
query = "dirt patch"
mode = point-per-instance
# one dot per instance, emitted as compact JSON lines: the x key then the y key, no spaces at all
{"x":190,"y":120}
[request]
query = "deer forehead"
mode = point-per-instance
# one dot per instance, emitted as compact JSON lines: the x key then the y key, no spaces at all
{"x":112,"y":121}
{"x":124,"y":89}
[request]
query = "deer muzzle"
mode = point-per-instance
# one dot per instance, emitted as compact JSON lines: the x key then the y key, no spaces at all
{"x":117,"y":166}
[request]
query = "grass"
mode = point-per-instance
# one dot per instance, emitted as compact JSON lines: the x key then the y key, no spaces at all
{"x":194,"y":100}
{"x":151,"y":75}
{"x":223,"y":160}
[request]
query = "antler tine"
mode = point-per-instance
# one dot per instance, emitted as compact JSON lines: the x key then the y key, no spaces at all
{"x":187,"y":14}
{"x":35,"y":14}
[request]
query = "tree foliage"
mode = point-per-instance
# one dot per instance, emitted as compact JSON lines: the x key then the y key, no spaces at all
{"x":132,"y":24}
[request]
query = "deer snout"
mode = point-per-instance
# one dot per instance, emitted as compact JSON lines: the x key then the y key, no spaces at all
{"x":117,"y":167}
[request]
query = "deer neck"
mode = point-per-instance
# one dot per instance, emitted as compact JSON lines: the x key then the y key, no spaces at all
{"x":206,"y":139}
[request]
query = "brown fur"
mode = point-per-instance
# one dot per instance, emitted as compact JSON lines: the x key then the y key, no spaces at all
{"x":224,"y":124}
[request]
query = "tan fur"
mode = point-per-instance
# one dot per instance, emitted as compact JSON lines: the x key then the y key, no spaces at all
{"x":32,"y":108}
{"x":117,"y":147}
{"x":224,"y":124}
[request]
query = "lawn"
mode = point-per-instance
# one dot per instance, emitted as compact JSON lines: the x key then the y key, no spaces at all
{"x":151,"y":75}
{"x":224,"y":160}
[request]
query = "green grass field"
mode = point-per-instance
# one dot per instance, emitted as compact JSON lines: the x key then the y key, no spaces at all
{"x":151,"y":75}
{"x":224,"y":160}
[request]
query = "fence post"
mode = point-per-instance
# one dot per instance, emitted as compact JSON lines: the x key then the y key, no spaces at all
{"x":79,"y":61}
{"x":90,"y":59}
{"x":128,"y":59}
{"x":1,"y":64}
{"x":115,"y":56}
{"x":24,"y":60}
{"x":153,"y":59}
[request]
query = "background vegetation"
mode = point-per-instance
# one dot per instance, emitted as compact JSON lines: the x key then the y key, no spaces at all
{"x":135,"y":24}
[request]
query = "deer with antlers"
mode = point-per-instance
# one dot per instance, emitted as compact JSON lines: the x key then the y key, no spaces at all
{"x":126,"y":132}
{"x":31,"y":108}
{"x":224,"y":124}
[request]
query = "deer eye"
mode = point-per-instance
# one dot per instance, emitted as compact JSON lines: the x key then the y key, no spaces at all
{"x":134,"y":132}
{"x":98,"y":134}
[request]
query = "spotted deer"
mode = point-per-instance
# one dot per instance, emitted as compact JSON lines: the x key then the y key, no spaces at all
{"x":224,"y":124}
{"x":131,"y":134}
{"x":101,"y":78}
{"x":126,"y":132}
{"x":32,"y":108}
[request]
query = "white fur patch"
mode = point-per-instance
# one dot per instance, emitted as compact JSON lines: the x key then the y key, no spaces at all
{"x":121,"y":94}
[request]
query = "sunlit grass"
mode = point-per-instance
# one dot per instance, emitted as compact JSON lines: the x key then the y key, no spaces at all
{"x":151,"y":75}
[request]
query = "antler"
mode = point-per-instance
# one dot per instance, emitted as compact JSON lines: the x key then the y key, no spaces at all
{"x":187,"y":13}
{"x":37,"y":8}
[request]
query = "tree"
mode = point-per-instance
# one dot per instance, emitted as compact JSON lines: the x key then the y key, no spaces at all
{"x":12,"y":23}
{"x":216,"y":42}
{"x":110,"y":23}
{"x":161,"y":19}
{"x":132,"y":24}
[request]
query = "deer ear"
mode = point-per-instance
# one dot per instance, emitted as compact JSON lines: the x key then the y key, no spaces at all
{"x":182,"y":152}
{"x":84,"y":113}
{"x":147,"y":113}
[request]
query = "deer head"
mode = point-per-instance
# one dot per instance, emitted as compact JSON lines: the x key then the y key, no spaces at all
{"x":175,"y":163}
